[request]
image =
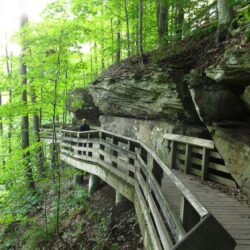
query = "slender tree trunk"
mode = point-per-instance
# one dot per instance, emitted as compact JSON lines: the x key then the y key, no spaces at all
{"x":172,"y":31}
{"x":118,"y":37}
{"x":179,"y":19}
{"x":226,"y":14}
{"x":66,"y":93}
{"x":162,"y":21}
{"x":127,"y":26}
{"x":112,"y":39}
{"x":9,"y":72}
{"x":40,"y":110}
{"x":25,"y":118}
{"x":140,"y":28}
{"x":102,"y":44}
{"x":36,"y":128}
{"x":91,"y":63}
{"x":55,"y":148}
{"x":96,"y":59}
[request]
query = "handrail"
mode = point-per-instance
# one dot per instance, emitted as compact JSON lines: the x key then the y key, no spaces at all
{"x":139,"y":166}
{"x":190,"y":140}
{"x":199,"y":157}
{"x":209,"y":14}
{"x":204,"y":13}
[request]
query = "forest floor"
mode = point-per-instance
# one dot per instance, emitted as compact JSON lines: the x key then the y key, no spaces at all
{"x":86,"y":222}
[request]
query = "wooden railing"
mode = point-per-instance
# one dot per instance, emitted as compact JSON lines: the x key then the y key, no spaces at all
{"x":136,"y":164}
{"x":204,"y":16}
{"x":199,"y":157}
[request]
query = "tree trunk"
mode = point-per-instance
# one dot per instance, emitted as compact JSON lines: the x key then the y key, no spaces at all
{"x":112,"y":39}
{"x":127,"y":26}
{"x":9,"y":71}
{"x":36,"y":128}
{"x":179,"y":19}
{"x":162,"y":21}
{"x":64,"y":120}
{"x":91,"y":63}
{"x":25,"y":118}
{"x":226,"y":14}
{"x":140,"y":28}
{"x":96,"y":59}
{"x":118,"y":41}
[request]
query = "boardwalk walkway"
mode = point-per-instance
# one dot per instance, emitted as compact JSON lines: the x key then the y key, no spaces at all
{"x":175,"y":210}
{"x":234,"y":216}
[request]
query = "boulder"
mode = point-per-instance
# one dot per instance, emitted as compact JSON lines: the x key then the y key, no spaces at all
{"x":214,"y":102}
{"x":81,"y":104}
{"x":233,"y":143}
{"x":234,"y":71}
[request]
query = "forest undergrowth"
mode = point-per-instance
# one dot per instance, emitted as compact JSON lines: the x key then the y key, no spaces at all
{"x":86,"y":222}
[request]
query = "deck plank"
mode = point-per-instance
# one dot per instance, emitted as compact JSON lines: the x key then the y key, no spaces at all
{"x":233,"y":215}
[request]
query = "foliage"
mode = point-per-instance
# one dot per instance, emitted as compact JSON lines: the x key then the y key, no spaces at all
{"x":69,"y":47}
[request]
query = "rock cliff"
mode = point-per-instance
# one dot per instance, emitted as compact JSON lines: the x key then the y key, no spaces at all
{"x":179,"y":94}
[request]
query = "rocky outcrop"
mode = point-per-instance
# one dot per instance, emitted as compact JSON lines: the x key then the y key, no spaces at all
{"x":233,"y":143}
{"x":148,"y":93}
{"x":81,"y":105}
{"x":215,"y":102}
{"x":233,"y":71}
{"x":223,"y":95}
{"x":146,"y":101}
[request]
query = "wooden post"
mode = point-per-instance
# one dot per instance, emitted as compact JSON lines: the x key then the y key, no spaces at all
{"x":94,"y":183}
{"x":150,"y":162}
{"x":188,"y":152}
{"x":189,"y":217}
{"x":205,"y":162}
{"x":118,"y":197}
{"x":173,"y":154}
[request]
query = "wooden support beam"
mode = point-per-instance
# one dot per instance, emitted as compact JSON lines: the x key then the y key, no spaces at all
{"x":188,"y":215}
{"x":94,"y":183}
{"x":205,"y":163}
{"x":188,"y":152}
{"x":118,"y":197}
{"x":173,"y":154}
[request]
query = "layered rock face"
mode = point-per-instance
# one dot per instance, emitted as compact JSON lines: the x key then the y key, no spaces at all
{"x":146,"y":101}
{"x":148,"y":93}
{"x":222,"y":100}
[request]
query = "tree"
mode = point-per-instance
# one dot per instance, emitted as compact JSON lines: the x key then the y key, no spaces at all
{"x":118,"y":34}
{"x":9,"y":76}
{"x":127,"y":26}
{"x":226,"y":14}
{"x":162,"y":21}
{"x":140,"y":28}
{"x":36,"y":128}
{"x":25,"y":117}
{"x":179,"y":18}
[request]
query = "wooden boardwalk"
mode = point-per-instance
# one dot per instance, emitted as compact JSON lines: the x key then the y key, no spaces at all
{"x":234,"y":216}
{"x":171,"y":215}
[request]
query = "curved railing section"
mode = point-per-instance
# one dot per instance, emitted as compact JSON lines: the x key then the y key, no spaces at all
{"x":136,"y":164}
